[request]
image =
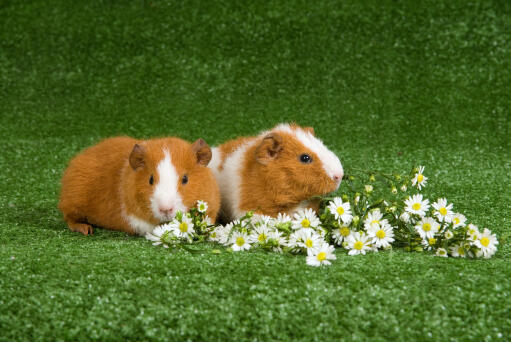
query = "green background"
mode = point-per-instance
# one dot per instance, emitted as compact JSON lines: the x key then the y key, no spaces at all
{"x":385,"y":84}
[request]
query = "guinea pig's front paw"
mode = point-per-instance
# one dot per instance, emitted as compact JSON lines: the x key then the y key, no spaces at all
{"x":83,"y":228}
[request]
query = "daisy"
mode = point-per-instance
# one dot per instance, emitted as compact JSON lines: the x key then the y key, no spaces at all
{"x":449,"y":235}
{"x":158,"y":234}
{"x":405,"y":217}
{"x":473,"y":232}
{"x":261,"y":219}
{"x":441,"y":252}
{"x":443,"y":211}
{"x":415,"y":205}
{"x":340,"y":210}
{"x":278,"y":239}
{"x":369,"y":188}
{"x":427,"y":227}
{"x":373,"y":219}
{"x":282,"y":218}
{"x":403,"y":188}
{"x":260,"y":234}
{"x":419,"y":178}
{"x":382,"y":237}
{"x":202,"y":206}
{"x":458,"y":220}
{"x":183,"y":228}
{"x":240,"y":241}
{"x":487,"y":242}
{"x":358,"y":243}
{"x":458,"y":251}
{"x":321,"y":255}
{"x":429,"y":243}
{"x":308,"y":239}
{"x":341,"y":234}
{"x":305,"y":218}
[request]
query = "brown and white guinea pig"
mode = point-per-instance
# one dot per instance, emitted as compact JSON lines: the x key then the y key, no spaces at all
{"x":131,"y":185}
{"x":275,"y":172}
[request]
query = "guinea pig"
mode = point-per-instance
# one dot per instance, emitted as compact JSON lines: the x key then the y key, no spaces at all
{"x":131,"y":185}
{"x":277,"y":171}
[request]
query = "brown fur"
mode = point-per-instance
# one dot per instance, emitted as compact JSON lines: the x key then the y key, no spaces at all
{"x":112,"y":178}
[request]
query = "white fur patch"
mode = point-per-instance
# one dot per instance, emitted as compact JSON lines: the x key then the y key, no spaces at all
{"x":216,"y":158}
{"x":229,"y":179}
{"x":331,"y":164}
{"x":139,"y":226}
{"x":165,"y":193}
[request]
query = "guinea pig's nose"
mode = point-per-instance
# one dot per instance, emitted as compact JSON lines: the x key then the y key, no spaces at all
{"x":167,"y":211}
{"x":337,"y":177}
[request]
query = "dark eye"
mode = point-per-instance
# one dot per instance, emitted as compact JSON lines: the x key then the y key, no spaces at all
{"x":151,"y":180}
{"x":185,"y":179}
{"x":305,"y":158}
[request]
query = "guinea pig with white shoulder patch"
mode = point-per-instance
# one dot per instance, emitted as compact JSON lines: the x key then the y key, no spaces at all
{"x":277,"y":171}
{"x":132,"y":185}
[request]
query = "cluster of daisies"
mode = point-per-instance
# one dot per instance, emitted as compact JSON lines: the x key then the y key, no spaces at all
{"x":360,"y":222}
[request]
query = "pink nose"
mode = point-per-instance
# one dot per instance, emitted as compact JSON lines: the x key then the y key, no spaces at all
{"x":167,"y":211}
{"x":337,"y":177}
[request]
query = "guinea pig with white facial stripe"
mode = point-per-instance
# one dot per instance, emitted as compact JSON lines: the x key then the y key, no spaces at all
{"x":131,"y":185}
{"x":277,"y":171}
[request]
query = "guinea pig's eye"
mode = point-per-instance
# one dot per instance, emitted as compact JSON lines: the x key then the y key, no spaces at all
{"x":151,"y":180}
{"x":184,"y":180}
{"x":305,"y":158}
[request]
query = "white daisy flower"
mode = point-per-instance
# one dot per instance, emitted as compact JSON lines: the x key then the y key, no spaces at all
{"x":259,"y":219}
{"x":441,"y":252}
{"x":202,"y":206}
{"x":260,"y":234}
{"x":369,"y":188}
{"x":277,"y":237}
{"x":282,"y":218}
{"x":473,"y":232}
{"x":419,"y":179}
{"x":427,"y":227}
{"x":458,"y":220}
{"x":157,"y":233}
{"x":308,"y":239}
{"x":341,"y":234}
{"x":403,"y":188}
{"x":222,"y":233}
{"x":429,"y":243}
{"x":443,"y":211}
{"x":183,"y":228}
{"x":320,"y":256}
{"x":340,"y":210}
{"x":416,"y":205}
{"x":305,"y":218}
{"x":448,"y":234}
{"x":458,"y":251}
{"x":405,"y":217}
{"x":358,"y":243}
{"x":240,"y":241}
{"x":382,"y":237}
{"x":487,"y":243}
{"x":373,"y":220}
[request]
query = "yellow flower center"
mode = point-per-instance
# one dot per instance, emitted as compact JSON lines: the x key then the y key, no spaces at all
{"x":183,"y":227}
{"x":358,"y":245}
{"x":485,"y":241}
{"x":432,"y":241}
{"x":262,"y":237}
{"x":441,"y":252}
{"x":380,"y":234}
{"x":240,"y":241}
{"x":321,"y":256}
{"x":202,"y":207}
{"x":416,"y":206}
{"x":213,"y":235}
{"x":456,"y":220}
{"x":340,"y":210}
{"x":308,"y":243}
{"x":420,"y":178}
{"x":306,"y":223}
{"x":426,"y":227}
{"x":461,"y":250}
{"x":443,"y":211}
{"x":345,"y":231}
{"x":375,"y":221}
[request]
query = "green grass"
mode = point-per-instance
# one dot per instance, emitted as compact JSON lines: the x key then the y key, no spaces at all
{"x":385,"y":84}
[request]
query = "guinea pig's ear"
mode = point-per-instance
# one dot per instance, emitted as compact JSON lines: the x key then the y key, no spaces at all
{"x":309,"y":130}
{"x":203,"y":152}
{"x":137,"y":157}
{"x":269,"y":148}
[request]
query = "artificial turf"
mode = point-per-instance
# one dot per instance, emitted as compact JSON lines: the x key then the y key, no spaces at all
{"x":385,"y":84}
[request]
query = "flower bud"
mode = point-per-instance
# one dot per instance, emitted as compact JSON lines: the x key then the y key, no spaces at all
{"x":394,"y":190}
{"x":369,"y":188}
{"x":372,"y":178}
{"x":345,"y":198}
{"x":403,"y":187}
{"x":351,"y":178}
{"x":356,"y":220}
